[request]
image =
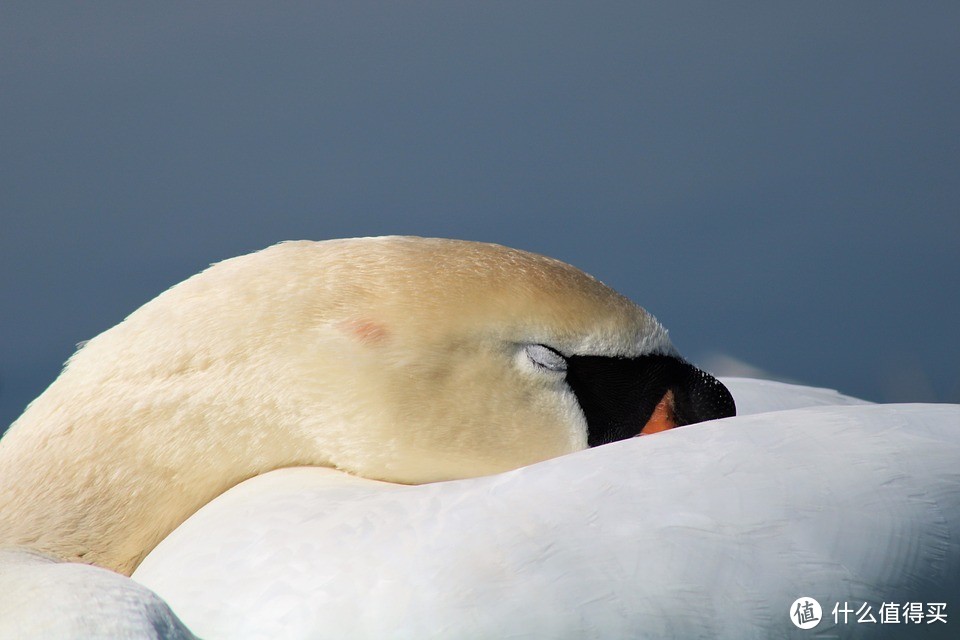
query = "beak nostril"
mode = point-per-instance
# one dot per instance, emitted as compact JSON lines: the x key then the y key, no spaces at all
{"x":703,"y":398}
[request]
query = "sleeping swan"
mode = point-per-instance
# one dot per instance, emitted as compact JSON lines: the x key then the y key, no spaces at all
{"x":272,"y":395}
{"x":406,"y":360}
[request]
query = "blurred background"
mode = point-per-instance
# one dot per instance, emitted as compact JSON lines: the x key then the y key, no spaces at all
{"x":779,"y":183}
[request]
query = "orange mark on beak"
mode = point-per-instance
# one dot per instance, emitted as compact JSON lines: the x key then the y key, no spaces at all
{"x":663,"y":418}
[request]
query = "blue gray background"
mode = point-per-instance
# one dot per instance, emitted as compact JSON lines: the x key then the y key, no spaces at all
{"x":777,"y":182}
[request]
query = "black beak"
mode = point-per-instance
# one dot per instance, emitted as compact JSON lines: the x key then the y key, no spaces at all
{"x":625,"y":397}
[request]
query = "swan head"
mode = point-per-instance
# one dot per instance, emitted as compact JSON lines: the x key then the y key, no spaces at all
{"x":402,"y":359}
{"x":415,"y":360}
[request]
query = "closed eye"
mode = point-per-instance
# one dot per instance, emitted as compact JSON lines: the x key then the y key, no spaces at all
{"x":545,"y":357}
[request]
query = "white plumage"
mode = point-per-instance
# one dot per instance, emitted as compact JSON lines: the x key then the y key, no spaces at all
{"x":44,"y":599}
{"x":712,"y":530}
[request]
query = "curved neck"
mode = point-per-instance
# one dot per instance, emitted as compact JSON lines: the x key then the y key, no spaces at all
{"x":92,"y":475}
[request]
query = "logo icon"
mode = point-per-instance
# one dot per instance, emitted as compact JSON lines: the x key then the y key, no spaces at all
{"x":805,"y":612}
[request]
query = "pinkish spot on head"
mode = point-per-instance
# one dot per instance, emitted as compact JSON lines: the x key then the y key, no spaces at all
{"x":366,"y":331}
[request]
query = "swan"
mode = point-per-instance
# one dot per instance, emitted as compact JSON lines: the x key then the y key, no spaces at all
{"x":391,"y":378}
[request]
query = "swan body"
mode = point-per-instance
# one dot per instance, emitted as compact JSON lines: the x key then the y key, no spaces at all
{"x":708,"y":531}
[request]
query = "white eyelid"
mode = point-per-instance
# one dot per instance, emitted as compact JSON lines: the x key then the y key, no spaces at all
{"x":545,"y":357}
